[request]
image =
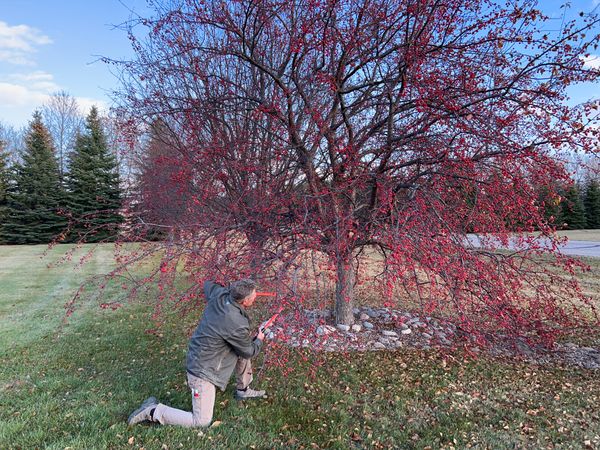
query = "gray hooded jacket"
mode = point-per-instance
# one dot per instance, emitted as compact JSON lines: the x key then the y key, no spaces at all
{"x":221,"y":337}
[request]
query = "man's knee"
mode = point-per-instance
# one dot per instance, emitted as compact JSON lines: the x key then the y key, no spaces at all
{"x":201,"y":422}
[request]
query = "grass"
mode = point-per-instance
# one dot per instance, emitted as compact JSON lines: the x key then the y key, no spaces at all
{"x":581,"y":235}
{"x":73,"y":386}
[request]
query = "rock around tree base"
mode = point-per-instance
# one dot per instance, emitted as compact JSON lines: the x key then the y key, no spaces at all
{"x":388,"y":329}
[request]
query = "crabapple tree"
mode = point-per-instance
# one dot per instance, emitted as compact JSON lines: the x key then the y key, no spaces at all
{"x":388,"y":127}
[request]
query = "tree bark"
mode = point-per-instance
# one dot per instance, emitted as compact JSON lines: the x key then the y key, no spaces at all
{"x":344,"y":292}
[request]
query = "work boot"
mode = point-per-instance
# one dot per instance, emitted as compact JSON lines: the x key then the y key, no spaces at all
{"x":248,"y":394}
{"x":143,"y":412}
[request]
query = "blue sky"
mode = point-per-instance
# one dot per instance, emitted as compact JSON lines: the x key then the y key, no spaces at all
{"x":51,"y":45}
{"x":46,"y":46}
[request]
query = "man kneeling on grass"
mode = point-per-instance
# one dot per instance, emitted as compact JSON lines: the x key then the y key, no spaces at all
{"x":220,"y":344}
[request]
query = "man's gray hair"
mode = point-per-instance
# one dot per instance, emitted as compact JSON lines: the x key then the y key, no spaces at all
{"x":241,"y":289}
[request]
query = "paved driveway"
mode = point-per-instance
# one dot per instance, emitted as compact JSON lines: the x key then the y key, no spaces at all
{"x":582,"y":248}
{"x":574,"y":248}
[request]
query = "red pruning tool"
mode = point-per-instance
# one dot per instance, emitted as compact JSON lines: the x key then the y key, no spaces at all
{"x":270,"y":322}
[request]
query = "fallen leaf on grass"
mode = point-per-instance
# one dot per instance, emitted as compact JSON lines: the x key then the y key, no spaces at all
{"x":130,"y":440}
{"x":216,"y":423}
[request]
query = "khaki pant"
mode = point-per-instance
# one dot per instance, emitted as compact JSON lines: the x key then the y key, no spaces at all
{"x":203,"y":399}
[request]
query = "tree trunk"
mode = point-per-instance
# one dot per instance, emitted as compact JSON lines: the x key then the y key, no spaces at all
{"x":344,"y":292}
{"x":256,"y":258}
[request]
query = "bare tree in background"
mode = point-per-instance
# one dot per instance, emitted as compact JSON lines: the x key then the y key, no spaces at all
{"x":123,"y":146}
{"x":63,"y":119}
{"x":13,"y":142}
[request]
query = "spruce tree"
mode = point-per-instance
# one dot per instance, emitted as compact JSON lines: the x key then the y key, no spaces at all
{"x":35,"y":198}
{"x":550,"y":199}
{"x":93,"y":185}
{"x":4,"y":184}
{"x":592,"y":204}
{"x":573,"y":212}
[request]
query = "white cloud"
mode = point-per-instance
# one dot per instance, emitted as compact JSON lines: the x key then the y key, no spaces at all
{"x":36,"y":81}
{"x":17,"y":95}
{"x":86,"y":103}
{"x":23,"y":93}
{"x":18,"y":42}
{"x":591,"y":61}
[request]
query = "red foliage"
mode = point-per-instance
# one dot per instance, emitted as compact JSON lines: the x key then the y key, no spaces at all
{"x":329,"y":128}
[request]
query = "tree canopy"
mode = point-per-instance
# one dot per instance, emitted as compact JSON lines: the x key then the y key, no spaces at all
{"x":93,"y":185}
{"x":33,"y":211}
{"x":334,"y":129}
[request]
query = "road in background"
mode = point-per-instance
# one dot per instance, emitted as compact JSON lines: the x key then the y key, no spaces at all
{"x":572,"y":248}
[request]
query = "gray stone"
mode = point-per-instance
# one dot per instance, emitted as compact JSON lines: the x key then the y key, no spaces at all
{"x":427,"y":336}
{"x":368,"y":325}
{"x":364,"y":316}
{"x":407,"y":331}
{"x":373,"y":314}
{"x":389,"y":333}
{"x":355,"y":311}
{"x":356,"y":328}
{"x":342,"y":327}
{"x":324,"y":330}
{"x":379,"y":345}
{"x":404,"y":326}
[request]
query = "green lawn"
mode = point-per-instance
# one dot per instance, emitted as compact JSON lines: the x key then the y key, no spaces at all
{"x":73,"y":386}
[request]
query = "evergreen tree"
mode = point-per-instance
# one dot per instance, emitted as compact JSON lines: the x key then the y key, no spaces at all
{"x":550,"y":199}
{"x":4,"y":184}
{"x":573,"y":212}
{"x":93,"y":185}
{"x":592,"y":204}
{"x":35,"y":199}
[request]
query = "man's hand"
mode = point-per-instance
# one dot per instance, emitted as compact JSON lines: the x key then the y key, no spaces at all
{"x":260,"y":335}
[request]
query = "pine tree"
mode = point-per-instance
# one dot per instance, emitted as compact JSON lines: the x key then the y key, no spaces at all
{"x":592,"y":204}
{"x":550,"y":199}
{"x":35,"y":199}
{"x":93,"y":185}
{"x":4,"y":184}
{"x":573,"y":212}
